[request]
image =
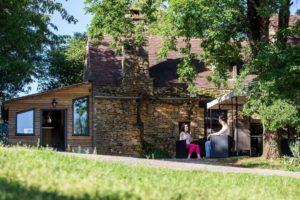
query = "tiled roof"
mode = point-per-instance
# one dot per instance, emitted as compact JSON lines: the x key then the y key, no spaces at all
{"x":292,"y":40}
{"x":106,"y":65}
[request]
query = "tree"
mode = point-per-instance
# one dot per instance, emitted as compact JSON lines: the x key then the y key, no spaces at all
{"x":114,"y":18}
{"x":235,"y":31}
{"x":232,"y":31}
{"x":26,"y":31}
{"x":64,"y":63}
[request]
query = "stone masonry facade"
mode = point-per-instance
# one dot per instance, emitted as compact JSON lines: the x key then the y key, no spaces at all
{"x":125,"y":127}
{"x":138,"y":103}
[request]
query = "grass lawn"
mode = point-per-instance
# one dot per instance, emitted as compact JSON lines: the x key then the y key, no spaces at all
{"x":44,"y":174}
{"x":260,"y":162}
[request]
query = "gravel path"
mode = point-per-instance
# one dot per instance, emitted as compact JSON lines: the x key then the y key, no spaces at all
{"x":183,"y":164}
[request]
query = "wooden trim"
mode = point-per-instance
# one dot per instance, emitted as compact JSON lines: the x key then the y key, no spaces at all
{"x":88,"y":116}
{"x":46,"y":92}
{"x":33,"y":123}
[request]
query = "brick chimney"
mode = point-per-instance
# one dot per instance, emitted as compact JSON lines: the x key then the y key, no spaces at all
{"x":135,"y":64}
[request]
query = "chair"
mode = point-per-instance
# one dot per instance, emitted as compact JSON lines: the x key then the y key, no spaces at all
{"x":219,"y":146}
{"x":181,"y":151}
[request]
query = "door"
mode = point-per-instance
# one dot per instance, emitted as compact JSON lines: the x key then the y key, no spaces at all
{"x":53,"y":129}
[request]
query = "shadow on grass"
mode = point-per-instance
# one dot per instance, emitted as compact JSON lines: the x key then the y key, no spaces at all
{"x":12,"y":190}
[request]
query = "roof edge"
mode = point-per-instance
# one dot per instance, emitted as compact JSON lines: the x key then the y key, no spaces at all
{"x":47,"y":91}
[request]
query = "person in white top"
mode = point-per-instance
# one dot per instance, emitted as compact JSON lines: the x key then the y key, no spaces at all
{"x":224,"y":131}
{"x":185,"y":135}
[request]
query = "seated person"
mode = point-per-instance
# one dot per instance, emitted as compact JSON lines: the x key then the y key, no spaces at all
{"x":223,"y":131}
{"x":185,"y":135}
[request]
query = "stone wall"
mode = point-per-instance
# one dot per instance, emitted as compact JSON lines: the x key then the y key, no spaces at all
{"x":120,"y":130}
{"x":115,"y":128}
{"x":161,"y":121}
{"x":135,"y":69}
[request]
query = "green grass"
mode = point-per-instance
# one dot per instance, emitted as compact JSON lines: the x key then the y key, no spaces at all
{"x":260,"y":162}
{"x":44,"y":174}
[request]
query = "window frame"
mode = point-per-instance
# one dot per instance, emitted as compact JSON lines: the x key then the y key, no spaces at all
{"x":16,"y":128}
{"x":88,"y":116}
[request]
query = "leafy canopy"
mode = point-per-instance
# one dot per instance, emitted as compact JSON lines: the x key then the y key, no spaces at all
{"x":113,"y":18}
{"x":238,"y":32}
{"x":233,"y":31}
{"x":26,"y":31}
{"x":64,"y":63}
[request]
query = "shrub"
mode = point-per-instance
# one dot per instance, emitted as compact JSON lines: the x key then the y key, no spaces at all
{"x":4,"y":133}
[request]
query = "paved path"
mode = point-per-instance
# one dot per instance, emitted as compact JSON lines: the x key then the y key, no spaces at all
{"x":183,"y":164}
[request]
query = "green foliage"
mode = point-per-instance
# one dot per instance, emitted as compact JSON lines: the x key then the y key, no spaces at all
{"x":218,"y":23}
{"x":150,"y":149}
{"x":295,"y":160}
{"x":44,"y":174}
{"x":295,"y":148}
{"x":113,"y":18}
{"x":64,"y":63}
{"x":275,"y":95}
{"x":3,"y":133}
{"x":234,"y":32}
{"x":25,"y":32}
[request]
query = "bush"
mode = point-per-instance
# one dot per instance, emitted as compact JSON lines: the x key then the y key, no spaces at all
{"x":293,"y":163}
{"x":4,"y":133}
{"x":295,"y":148}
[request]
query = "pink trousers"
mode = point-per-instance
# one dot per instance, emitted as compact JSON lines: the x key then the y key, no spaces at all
{"x":193,"y":147}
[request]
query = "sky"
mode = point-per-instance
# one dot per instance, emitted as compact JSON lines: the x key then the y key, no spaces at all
{"x":295,"y":6}
{"x":76,"y":8}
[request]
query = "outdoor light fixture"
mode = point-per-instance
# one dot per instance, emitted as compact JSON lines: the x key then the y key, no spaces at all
{"x":49,"y":120}
{"x":54,"y":103}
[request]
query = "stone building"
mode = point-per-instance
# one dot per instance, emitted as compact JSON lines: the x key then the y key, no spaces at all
{"x":133,"y":105}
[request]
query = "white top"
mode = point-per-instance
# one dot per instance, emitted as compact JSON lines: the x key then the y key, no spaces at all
{"x":186,"y":137}
{"x":224,"y":130}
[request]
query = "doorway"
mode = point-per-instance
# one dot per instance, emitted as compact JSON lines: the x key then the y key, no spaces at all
{"x":256,"y":131}
{"x":53,"y":129}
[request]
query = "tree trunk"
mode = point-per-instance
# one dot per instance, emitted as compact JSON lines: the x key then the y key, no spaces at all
{"x":258,"y":25}
{"x":283,"y":21}
{"x":271,"y":144}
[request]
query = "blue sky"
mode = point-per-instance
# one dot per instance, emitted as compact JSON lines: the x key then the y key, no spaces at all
{"x":295,"y":6}
{"x":76,"y":8}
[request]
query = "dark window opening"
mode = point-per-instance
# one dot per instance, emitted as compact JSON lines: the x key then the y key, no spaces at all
{"x":256,"y":131}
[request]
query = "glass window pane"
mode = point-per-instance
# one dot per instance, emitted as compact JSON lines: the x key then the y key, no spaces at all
{"x":25,"y":122}
{"x":80,"y":116}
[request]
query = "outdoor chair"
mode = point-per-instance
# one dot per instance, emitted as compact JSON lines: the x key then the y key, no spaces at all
{"x":219,"y":146}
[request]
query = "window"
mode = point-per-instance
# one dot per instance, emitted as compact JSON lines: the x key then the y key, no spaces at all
{"x":80,"y":116}
{"x":25,"y":122}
